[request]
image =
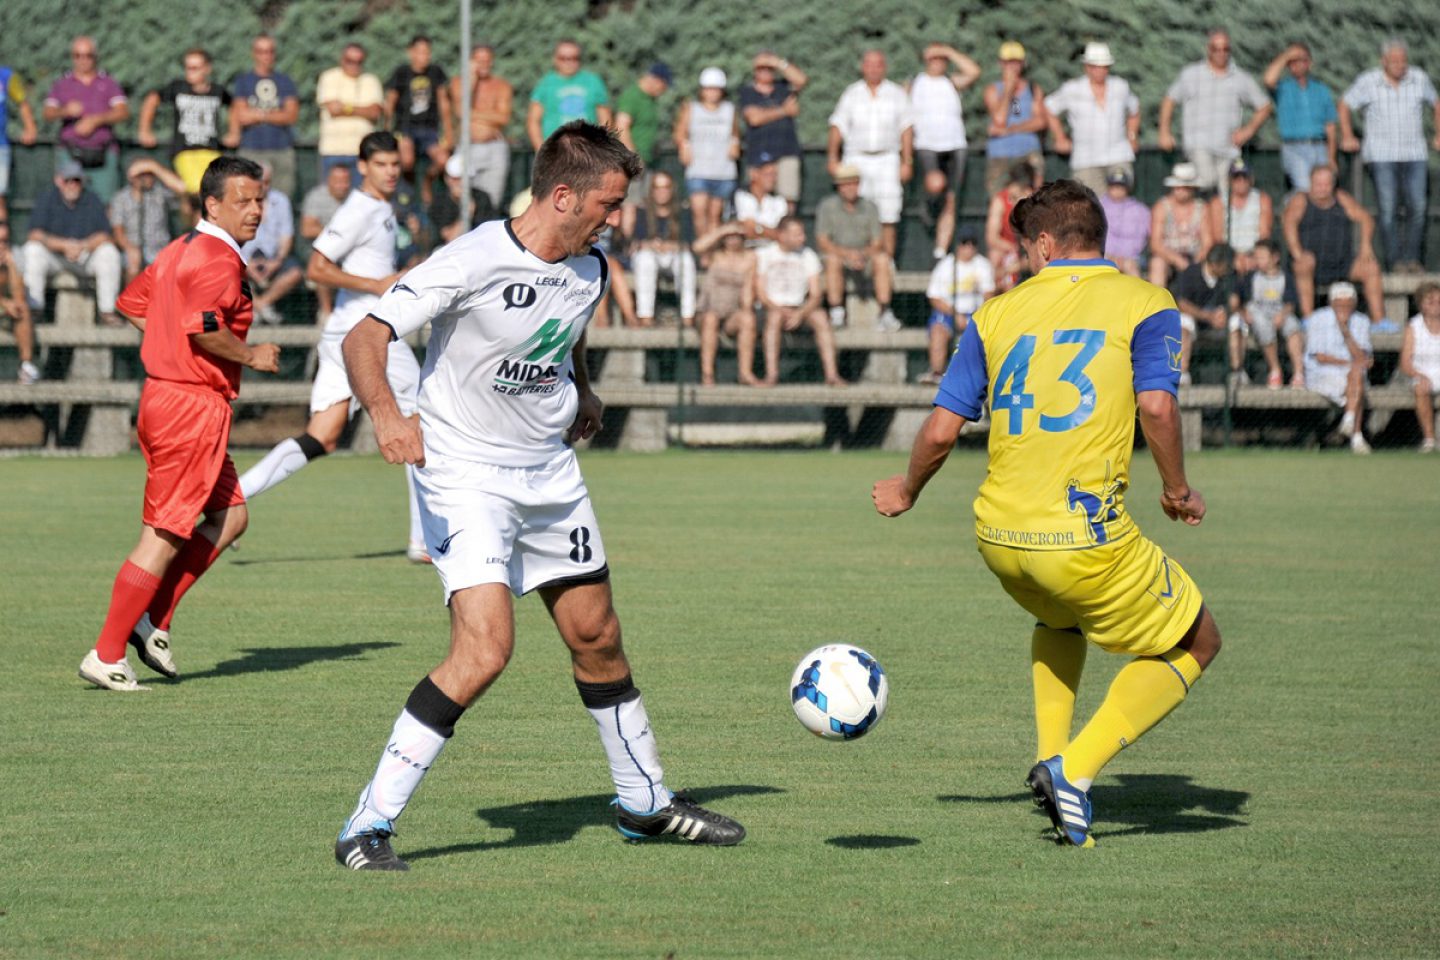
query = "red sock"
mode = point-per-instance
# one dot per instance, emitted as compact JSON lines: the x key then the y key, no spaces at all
{"x":129,"y":597}
{"x":193,"y":560}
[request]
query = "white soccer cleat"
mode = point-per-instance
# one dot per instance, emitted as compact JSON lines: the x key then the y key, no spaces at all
{"x":152,"y":646}
{"x":111,"y":676}
{"x":416,"y":553}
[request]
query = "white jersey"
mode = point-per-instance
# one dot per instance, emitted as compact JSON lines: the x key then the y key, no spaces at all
{"x":497,"y":385}
{"x":964,"y":284}
{"x":359,"y":239}
{"x":939,"y":118}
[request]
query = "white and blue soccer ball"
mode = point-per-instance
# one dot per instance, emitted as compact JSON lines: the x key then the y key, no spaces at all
{"x":839,"y":692}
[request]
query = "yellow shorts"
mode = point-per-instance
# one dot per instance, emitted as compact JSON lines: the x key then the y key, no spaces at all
{"x":1127,"y":597}
{"x":191,"y":164}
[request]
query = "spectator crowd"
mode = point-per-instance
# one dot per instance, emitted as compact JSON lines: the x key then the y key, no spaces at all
{"x":1244,"y":266}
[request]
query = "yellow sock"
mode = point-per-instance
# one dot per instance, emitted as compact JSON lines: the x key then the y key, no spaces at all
{"x":1143,"y":692}
{"x":1057,"y":658}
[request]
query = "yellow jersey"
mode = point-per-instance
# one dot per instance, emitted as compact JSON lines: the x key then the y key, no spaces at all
{"x":1060,"y":359}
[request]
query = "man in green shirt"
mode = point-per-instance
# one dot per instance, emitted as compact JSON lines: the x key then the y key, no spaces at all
{"x":637,"y":121}
{"x":851,"y":241}
{"x":566,"y":93}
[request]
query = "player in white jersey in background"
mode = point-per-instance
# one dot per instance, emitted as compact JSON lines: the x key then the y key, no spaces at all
{"x":503,"y":393}
{"x":355,"y":253}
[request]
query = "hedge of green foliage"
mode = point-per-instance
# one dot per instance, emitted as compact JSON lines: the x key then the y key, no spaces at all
{"x":141,"y":42}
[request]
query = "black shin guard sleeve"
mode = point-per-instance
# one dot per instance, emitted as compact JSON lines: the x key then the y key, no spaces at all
{"x":430,"y":706}
{"x":599,"y":695}
{"x":309,"y":446}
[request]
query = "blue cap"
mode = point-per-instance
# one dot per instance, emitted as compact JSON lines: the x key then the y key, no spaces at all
{"x":661,"y":69}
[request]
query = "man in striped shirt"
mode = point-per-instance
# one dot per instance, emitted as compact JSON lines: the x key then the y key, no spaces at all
{"x":1391,"y":100}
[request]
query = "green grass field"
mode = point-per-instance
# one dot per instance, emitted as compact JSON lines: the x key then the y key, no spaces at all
{"x":1285,"y":810}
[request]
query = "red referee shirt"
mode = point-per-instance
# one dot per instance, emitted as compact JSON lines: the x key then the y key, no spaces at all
{"x":196,"y":285}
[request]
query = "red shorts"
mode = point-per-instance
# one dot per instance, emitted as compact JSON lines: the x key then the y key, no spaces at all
{"x":184,"y":433}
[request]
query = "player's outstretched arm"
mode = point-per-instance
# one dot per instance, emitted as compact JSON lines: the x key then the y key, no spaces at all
{"x":1160,"y":422}
{"x":366,"y":349}
{"x":933,"y":444}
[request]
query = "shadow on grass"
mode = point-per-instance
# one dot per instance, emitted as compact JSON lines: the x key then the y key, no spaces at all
{"x":871,"y":841}
{"x":260,"y":561}
{"x":275,"y":659}
{"x":543,"y":822}
{"x":1142,"y":803}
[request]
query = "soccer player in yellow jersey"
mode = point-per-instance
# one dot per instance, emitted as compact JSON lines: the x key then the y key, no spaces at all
{"x":1066,"y":359}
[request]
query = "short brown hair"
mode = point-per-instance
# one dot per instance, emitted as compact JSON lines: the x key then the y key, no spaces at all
{"x":579,"y":155}
{"x":1067,"y":210}
{"x":1425,"y":289}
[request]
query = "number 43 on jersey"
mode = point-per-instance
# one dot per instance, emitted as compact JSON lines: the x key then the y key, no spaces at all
{"x":1011,"y":393}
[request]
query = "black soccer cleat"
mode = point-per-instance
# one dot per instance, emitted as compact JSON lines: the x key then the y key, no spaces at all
{"x":1067,"y":806}
{"x":369,"y":850}
{"x":683,"y":818}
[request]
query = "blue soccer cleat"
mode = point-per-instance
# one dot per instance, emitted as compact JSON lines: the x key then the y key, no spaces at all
{"x":1067,"y":806}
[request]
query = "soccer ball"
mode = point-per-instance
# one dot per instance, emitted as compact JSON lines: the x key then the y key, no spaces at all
{"x":839,"y":692}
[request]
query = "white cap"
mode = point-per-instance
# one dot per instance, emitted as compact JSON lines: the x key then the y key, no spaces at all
{"x":713,"y":77}
{"x":1342,"y":291}
{"x":1097,"y":55}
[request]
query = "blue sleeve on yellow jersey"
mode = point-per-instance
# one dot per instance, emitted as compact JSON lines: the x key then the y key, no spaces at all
{"x":1155,"y":352}
{"x":962,"y":391}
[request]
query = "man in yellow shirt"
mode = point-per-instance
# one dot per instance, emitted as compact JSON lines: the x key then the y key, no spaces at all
{"x":1066,"y":359}
{"x":351,"y":103}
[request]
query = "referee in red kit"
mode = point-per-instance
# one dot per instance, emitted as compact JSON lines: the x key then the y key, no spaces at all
{"x":194,"y":308}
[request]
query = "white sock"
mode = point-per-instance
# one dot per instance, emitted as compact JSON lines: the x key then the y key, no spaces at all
{"x":417,"y":532}
{"x":279,"y":463}
{"x":407,"y":757}
{"x":634,"y":757}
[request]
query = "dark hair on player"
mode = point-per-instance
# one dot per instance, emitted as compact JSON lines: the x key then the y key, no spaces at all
{"x":380,"y":141}
{"x":578,"y":155}
{"x":221,"y":170}
{"x":1067,"y":210}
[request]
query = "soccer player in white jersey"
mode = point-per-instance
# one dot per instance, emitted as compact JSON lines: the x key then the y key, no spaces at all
{"x":503,"y":392}
{"x":355,"y":253}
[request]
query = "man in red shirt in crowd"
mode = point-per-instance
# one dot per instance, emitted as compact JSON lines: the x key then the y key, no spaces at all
{"x":194,"y":308}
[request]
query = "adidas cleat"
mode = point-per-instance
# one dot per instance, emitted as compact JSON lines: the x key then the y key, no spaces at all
{"x":1067,"y":807}
{"x":152,"y":646}
{"x":369,"y":850}
{"x":683,"y":818}
{"x":112,"y":676}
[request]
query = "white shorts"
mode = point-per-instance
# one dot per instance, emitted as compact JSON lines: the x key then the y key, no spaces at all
{"x":880,"y":182}
{"x":332,"y":383}
{"x":525,"y":527}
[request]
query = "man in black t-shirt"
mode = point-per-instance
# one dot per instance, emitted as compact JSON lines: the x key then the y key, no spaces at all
{"x":1207,"y":293}
{"x":770,"y":103}
{"x":417,"y":104}
{"x":197,"y":103}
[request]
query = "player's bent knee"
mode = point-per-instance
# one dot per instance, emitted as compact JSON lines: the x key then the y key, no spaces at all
{"x":1202,"y":640}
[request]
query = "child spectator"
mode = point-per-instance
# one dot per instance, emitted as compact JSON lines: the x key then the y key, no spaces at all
{"x":1268,"y":303}
{"x":960,"y":282}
